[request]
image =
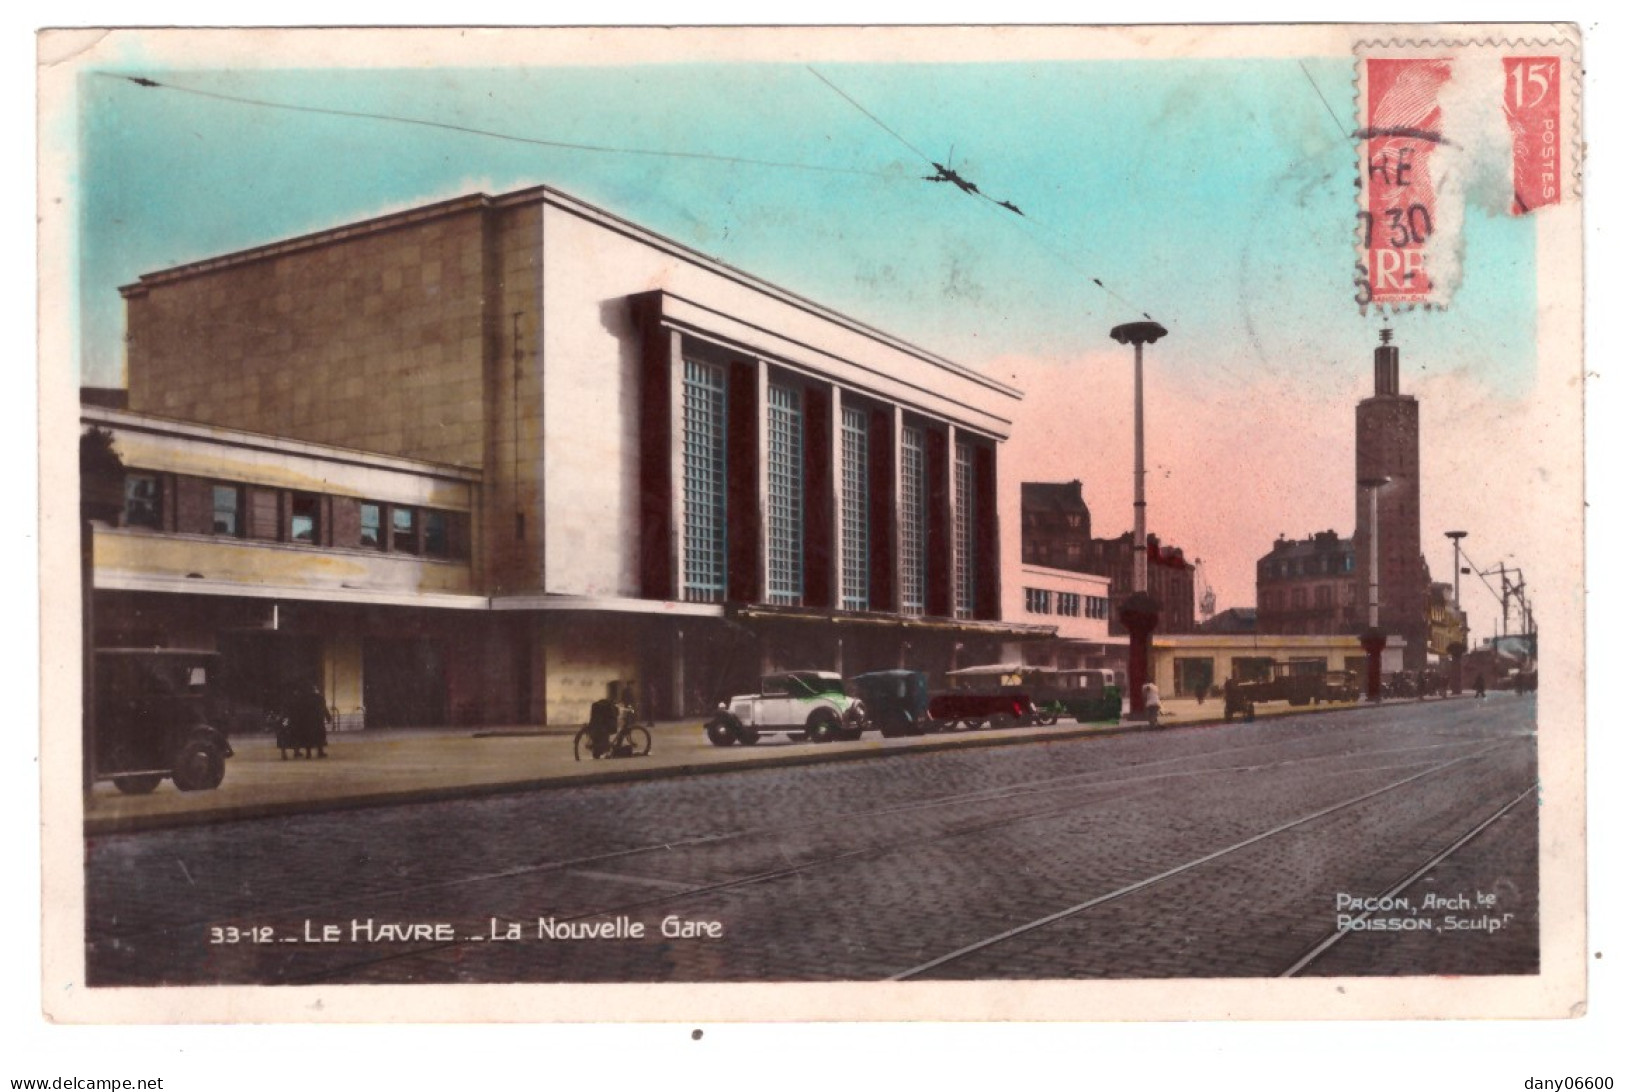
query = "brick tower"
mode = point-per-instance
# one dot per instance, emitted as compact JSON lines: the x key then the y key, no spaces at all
{"x":1387,"y":444}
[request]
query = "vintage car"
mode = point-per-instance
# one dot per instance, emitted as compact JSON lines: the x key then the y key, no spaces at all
{"x":987,"y":696}
{"x":812,"y":704}
{"x":968,"y":709}
{"x":1344,"y":685}
{"x":152,"y":717}
{"x":896,"y":702}
{"x":1084,"y":694}
{"x":1296,"y":682}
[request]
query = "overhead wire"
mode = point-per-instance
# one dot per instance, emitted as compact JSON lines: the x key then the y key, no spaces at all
{"x":971,"y":190}
{"x":1336,"y":125}
{"x":1507,"y":589}
{"x":399,"y":119}
{"x":866,"y":113}
{"x":607,"y":149}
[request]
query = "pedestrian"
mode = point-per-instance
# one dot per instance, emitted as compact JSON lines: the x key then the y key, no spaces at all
{"x":1201,"y":693}
{"x":628,"y":710}
{"x":1478,"y":686}
{"x":1153,"y":703}
{"x":307,"y":722}
{"x":604,"y":722}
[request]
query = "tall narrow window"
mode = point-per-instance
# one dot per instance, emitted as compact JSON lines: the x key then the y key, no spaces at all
{"x":705,"y":464}
{"x":784,"y":495}
{"x":403,"y":530}
{"x":854,"y":508}
{"x":371,"y":534}
{"x":305,"y":525}
{"x":143,"y":501}
{"x":964,"y":531}
{"x":226,"y":501}
{"x":911,"y":521}
{"x":436,"y":541}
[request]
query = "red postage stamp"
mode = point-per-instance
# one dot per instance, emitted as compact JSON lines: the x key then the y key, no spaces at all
{"x":1533,"y":108}
{"x":1444,"y":125}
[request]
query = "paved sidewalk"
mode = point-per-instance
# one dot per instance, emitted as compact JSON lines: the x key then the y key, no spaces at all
{"x":380,"y":767}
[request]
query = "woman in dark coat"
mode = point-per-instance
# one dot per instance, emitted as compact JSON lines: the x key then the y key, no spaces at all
{"x":307,"y":722}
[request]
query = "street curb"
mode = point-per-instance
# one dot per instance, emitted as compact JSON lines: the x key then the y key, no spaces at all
{"x":135,"y":824}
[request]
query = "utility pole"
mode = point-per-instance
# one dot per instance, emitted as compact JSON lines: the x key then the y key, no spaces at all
{"x":1459,"y":646}
{"x":1507,"y":592}
{"x":1139,"y":611}
{"x":1373,"y":640}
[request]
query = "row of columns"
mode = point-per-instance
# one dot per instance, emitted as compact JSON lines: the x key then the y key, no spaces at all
{"x":823,"y":546}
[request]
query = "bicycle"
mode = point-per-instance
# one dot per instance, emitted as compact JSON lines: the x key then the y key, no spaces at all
{"x":629,"y":741}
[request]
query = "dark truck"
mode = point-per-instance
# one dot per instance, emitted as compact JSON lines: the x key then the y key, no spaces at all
{"x":1296,"y":682}
{"x":153,"y":711}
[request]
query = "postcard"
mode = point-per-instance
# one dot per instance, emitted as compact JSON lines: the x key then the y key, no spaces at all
{"x":951,"y":523}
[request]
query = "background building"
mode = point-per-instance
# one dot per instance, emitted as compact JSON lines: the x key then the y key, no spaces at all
{"x":1055,"y":527}
{"x":1056,"y":533}
{"x":1232,"y":620}
{"x":1076,"y":605}
{"x":1447,"y":623}
{"x":1170,"y":579}
{"x":1387,"y":444}
{"x":1182,"y":663}
{"x":490,"y":455}
{"x":1308,"y":586}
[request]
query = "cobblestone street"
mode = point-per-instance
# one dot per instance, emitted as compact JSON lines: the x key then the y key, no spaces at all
{"x":1221,"y":850}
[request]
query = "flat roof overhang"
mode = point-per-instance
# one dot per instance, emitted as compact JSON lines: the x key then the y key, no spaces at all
{"x":612,"y":604}
{"x":904,"y":622}
{"x":182,"y":585}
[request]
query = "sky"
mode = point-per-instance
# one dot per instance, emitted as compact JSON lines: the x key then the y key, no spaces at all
{"x":1214,"y":195}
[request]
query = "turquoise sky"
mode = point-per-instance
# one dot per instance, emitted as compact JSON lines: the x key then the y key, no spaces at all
{"x":1216,"y":195}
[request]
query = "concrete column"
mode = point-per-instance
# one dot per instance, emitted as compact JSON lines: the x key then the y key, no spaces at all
{"x":342,"y":680}
{"x":760,"y":559}
{"x":679,"y":513}
{"x":837,"y":503}
{"x":679,"y":684}
{"x":951,"y":517}
{"x":896,"y":491}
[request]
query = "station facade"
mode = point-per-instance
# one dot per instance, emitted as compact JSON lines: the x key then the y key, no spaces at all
{"x":473,"y":462}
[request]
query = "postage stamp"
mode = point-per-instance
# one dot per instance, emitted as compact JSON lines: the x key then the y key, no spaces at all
{"x":812,"y":523}
{"x":1445,"y":122}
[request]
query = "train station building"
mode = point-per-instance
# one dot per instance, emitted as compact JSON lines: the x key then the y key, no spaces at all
{"x":471,"y":462}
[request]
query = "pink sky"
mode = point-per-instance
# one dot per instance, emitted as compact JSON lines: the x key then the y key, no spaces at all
{"x":1224,"y":478}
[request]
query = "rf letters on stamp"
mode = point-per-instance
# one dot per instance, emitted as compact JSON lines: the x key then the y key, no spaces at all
{"x":951,"y":523}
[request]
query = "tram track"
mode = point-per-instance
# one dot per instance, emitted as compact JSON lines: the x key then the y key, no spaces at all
{"x":828,"y":851}
{"x":668,"y":899}
{"x":1178,"y":870}
{"x":1320,"y":949}
{"x":1139,"y":774}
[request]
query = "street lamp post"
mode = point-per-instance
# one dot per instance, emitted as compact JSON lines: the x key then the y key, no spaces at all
{"x":1139,"y":611}
{"x":1373,"y":640}
{"x":1459,"y":645}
